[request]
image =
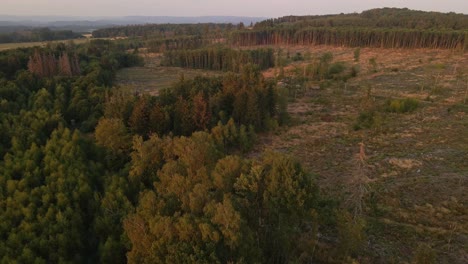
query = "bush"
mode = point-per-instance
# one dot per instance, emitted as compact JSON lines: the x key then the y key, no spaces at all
{"x":354,"y":71}
{"x":402,"y":105}
{"x":357,"y":54}
{"x":369,"y":119}
{"x":424,"y":254}
{"x":351,"y":234}
{"x":365,"y":120}
{"x":336,"y":68}
{"x":298,"y":57}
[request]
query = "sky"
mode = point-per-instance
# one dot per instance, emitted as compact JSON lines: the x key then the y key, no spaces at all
{"x":255,"y":8}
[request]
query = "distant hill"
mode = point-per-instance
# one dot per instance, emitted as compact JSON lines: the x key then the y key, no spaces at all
{"x":86,"y":24}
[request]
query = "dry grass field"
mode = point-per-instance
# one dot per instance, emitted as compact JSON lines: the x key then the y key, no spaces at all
{"x":7,"y":46}
{"x":152,"y":77}
{"x":416,"y":163}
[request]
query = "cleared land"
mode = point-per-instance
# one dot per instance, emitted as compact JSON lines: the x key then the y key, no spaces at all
{"x":7,"y":46}
{"x":152,"y":77}
{"x":416,"y":164}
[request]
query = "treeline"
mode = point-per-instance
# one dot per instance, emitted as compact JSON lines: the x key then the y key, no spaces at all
{"x":163,"y":30}
{"x":376,"y":18}
{"x":37,"y":35}
{"x":219,"y":58}
{"x":353,"y":37}
{"x":176,"y":43}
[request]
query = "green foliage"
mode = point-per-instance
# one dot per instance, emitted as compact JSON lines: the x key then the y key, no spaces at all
{"x":380,"y":28}
{"x":336,"y":69}
{"x":54,"y":206}
{"x":212,"y":203}
{"x":38,"y":35}
{"x":357,"y":54}
{"x":401,"y":105}
{"x":160,"y":30}
{"x":424,"y":254}
{"x":373,"y":64}
{"x":351,"y":234}
{"x":355,"y":71}
{"x":297,"y":57}
{"x":200,"y":104}
{"x":368,"y":119}
{"x":112,"y":134}
{"x":48,"y":200}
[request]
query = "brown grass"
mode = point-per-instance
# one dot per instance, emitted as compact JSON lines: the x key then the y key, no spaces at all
{"x":417,"y":161}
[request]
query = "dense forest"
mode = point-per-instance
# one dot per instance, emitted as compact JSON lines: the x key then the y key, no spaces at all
{"x":37,"y":35}
{"x":377,"y":18}
{"x":385,"y":28}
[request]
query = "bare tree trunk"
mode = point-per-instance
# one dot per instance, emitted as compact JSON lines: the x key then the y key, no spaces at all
{"x":466,"y":93}
{"x":358,"y":184}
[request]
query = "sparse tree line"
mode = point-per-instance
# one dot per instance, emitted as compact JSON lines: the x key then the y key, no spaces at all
{"x":353,"y":37}
{"x":177,"y":43}
{"x":219,"y":58}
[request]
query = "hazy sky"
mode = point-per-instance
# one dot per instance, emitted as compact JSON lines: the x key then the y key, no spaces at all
{"x":264,"y":8}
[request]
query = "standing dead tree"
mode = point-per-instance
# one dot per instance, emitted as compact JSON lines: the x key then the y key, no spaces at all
{"x":358,"y":183}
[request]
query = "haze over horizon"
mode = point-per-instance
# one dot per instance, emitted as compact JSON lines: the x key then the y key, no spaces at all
{"x":260,"y":8}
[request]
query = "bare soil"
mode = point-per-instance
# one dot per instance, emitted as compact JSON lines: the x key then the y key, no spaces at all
{"x":417,"y":162}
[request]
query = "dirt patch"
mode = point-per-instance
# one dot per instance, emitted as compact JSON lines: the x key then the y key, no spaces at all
{"x":404,"y":163}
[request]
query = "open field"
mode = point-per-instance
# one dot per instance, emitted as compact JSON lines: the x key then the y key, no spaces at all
{"x":152,"y":77}
{"x":7,"y":46}
{"x":415,"y":164}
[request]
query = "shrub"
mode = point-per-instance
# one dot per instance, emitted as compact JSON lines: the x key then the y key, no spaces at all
{"x":357,"y":54}
{"x":298,"y":57}
{"x":373,"y":64}
{"x":364,"y":120}
{"x":354,"y":71}
{"x":369,"y":119}
{"x":336,"y":68}
{"x":424,"y":254}
{"x":402,"y":105}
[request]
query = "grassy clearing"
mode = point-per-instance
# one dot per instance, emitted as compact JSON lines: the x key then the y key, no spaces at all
{"x":151,"y":78}
{"x":416,"y":151}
